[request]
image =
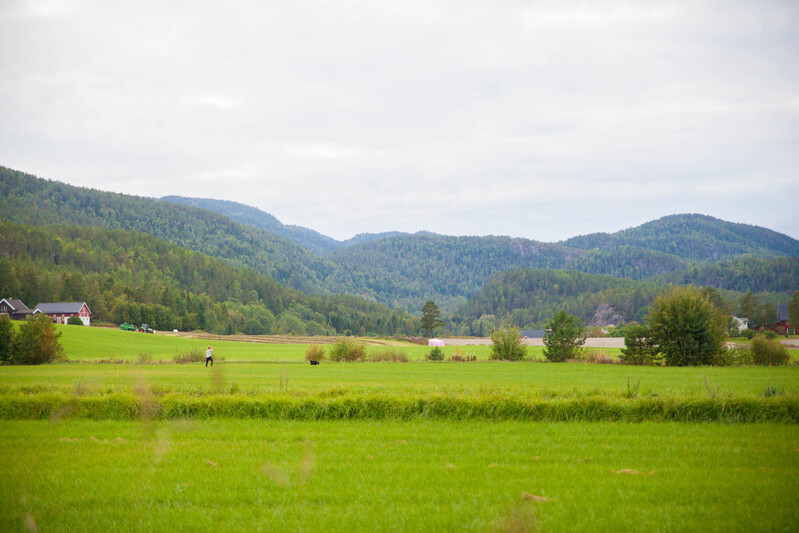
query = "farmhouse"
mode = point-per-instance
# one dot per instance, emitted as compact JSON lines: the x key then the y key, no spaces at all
{"x":60,"y":312}
{"x":14,"y":309}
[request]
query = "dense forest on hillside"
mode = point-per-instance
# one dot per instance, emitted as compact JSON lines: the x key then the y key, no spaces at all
{"x":408,"y":269}
{"x":25,"y":199}
{"x":404,"y":271}
{"x":309,"y":239}
{"x":134,"y":277}
{"x":694,"y":237}
{"x":528,"y":298}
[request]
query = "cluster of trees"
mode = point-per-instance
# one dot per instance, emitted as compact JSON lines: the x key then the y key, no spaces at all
{"x":35,"y":343}
{"x":528,"y":298}
{"x":127,"y":276}
{"x":683,"y":328}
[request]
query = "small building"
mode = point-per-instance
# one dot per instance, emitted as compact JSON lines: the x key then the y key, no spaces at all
{"x":740,"y":323}
{"x":14,"y":309}
{"x":60,"y":312}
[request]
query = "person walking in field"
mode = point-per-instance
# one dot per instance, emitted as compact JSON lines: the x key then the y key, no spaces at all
{"x":209,"y":356}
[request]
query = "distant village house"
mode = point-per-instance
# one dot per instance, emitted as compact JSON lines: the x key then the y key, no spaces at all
{"x":14,"y":309}
{"x":58,"y":312}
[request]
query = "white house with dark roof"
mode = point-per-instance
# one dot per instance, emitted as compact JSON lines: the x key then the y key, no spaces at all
{"x":60,"y":312}
{"x":14,"y":309}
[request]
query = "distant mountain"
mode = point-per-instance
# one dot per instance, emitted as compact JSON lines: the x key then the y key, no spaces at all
{"x":26,"y":199}
{"x":309,"y":239}
{"x":402,"y":270}
{"x":407,"y":270}
{"x":130,"y":276}
{"x":694,"y":238}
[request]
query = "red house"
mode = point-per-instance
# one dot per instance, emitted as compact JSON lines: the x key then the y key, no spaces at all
{"x":60,"y":312}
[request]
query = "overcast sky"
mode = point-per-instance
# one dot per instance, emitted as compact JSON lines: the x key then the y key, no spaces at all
{"x":533,"y":119}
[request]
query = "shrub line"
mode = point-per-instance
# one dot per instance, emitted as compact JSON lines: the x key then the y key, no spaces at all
{"x":128,"y":406}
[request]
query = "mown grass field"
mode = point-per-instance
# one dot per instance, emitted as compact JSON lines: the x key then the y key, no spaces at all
{"x":275,"y":444}
{"x":235,"y":475}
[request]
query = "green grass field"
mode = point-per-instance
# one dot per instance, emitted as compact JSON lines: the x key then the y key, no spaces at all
{"x":266,"y":442}
{"x":238,"y":475}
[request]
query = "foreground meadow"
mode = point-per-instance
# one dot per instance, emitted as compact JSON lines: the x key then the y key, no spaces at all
{"x":263,"y":441}
{"x":243,"y":475}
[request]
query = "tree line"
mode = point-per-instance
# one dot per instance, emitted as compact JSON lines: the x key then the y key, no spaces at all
{"x":127,"y":276}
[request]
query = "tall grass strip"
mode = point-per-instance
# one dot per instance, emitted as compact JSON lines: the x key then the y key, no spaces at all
{"x":129,"y":406}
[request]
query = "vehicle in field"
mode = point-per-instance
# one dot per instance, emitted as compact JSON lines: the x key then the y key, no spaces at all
{"x":127,"y":327}
{"x":146,"y":329}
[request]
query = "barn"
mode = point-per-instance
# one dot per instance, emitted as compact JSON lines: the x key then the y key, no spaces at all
{"x":60,"y":312}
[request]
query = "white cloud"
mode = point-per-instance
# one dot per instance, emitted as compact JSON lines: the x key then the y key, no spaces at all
{"x":537,"y":119}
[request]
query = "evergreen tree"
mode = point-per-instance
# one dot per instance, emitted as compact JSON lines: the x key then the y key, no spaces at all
{"x":793,"y":310}
{"x":564,"y":336}
{"x":431,"y":318}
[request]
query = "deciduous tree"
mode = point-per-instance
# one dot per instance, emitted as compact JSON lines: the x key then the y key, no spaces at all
{"x":686,"y":327}
{"x":36,"y":342}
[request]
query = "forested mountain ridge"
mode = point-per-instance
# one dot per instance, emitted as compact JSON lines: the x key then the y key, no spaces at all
{"x":129,"y":276}
{"x":309,"y":239}
{"x":403,"y":270}
{"x":26,"y":199}
{"x":694,"y":238}
{"x":408,"y":269}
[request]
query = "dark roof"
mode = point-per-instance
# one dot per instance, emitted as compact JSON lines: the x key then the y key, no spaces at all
{"x":532,"y":333}
{"x":59,"y":308}
{"x":17,"y":305}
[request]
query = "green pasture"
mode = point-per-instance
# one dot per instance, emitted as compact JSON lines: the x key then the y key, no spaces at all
{"x":482,"y":378}
{"x":235,"y":475}
{"x":263,"y":441}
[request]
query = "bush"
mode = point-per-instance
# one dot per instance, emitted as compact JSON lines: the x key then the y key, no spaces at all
{"x":767,"y":352}
{"x":748,"y":334}
{"x":598,"y":357}
{"x":460,"y":357}
{"x":315,"y":352}
{"x":506,"y":345}
{"x":638,"y":348}
{"x":74,"y":320}
{"x":346,"y":349}
{"x":192,"y":356}
{"x":6,"y":339}
{"x":393,"y":356}
{"x":36,"y":342}
{"x":436,"y":354}
{"x":737,"y":355}
{"x":564,"y":337}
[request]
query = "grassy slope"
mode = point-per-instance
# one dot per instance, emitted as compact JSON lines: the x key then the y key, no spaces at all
{"x":396,"y":476}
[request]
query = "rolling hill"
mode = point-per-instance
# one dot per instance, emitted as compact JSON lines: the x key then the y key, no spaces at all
{"x":402,"y":270}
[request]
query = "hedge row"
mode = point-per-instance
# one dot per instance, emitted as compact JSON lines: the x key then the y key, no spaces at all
{"x":127,"y":406}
